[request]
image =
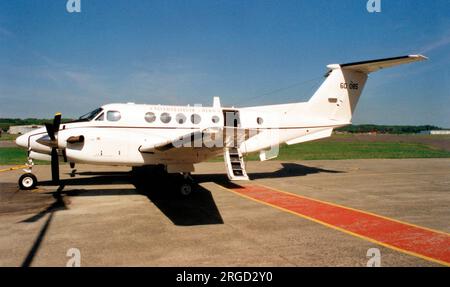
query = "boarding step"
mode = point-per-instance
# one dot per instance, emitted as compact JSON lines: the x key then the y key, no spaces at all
{"x":235,"y":164}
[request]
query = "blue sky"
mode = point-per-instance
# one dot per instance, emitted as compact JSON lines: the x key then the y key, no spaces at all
{"x":246,"y":52}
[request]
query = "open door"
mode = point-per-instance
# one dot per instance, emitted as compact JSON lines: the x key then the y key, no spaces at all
{"x":231,"y":118}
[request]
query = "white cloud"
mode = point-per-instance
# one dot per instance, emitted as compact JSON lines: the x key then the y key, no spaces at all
{"x":444,"y":41}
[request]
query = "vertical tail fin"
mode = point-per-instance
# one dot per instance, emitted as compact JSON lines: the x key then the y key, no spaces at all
{"x":338,"y":95}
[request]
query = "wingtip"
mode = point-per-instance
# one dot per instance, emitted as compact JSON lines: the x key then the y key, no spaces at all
{"x":419,"y":56}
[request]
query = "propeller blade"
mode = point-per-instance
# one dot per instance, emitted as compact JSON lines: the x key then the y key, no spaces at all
{"x":50,"y":131}
{"x":55,"y":166}
{"x":64,"y":154}
{"x":53,"y":128}
{"x":56,"y":122}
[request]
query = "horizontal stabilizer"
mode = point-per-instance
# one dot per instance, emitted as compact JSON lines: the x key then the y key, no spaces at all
{"x":375,"y":65}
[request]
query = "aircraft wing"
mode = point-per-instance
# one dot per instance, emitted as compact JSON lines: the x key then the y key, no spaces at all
{"x":150,"y":146}
{"x":206,"y":138}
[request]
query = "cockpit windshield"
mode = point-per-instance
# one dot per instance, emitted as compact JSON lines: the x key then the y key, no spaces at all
{"x":90,"y":116}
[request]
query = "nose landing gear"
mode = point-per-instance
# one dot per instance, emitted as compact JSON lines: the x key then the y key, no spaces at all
{"x":28,"y":180}
{"x":155,"y":179}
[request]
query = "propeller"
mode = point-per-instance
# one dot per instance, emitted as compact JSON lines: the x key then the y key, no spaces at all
{"x":52,"y":131}
{"x":55,"y":165}
{"x":51,"y":140}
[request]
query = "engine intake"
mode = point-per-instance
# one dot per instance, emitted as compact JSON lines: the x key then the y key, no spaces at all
{"x":75,"y":139}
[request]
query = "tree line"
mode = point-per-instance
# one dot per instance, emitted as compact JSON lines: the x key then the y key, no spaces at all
{"x":387,"y":129}
{"x":5,"y":123}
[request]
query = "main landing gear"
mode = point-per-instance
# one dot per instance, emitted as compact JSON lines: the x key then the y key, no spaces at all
{"x":185,"y":189}
{"x":186,"y":185}
{"x":156,"y":179}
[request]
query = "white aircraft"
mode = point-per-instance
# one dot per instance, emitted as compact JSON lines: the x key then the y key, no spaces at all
{"x":173,"y":138}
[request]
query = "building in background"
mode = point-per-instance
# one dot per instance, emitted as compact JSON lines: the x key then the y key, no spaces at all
{"x":436,"y":132}
{"x":16,"y":130}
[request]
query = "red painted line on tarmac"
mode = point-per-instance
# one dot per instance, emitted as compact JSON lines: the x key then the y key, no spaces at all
{"x":411,"y":239}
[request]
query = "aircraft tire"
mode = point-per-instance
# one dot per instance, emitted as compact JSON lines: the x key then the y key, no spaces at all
{"x":27,"y":181}
{"x":185,"y":189}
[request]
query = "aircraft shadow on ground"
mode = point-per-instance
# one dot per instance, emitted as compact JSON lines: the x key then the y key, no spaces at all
{"x":287,"y":169}
{"x":198,"y":209}
{"x":113,"y":177}
{"x":58,"y":204}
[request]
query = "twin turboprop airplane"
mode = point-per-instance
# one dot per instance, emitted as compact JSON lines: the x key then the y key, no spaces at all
{"x":171,"y":139}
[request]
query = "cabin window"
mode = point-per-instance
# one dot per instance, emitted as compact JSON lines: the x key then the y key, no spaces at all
{"x":101,"y":117}
{"x":181,"y":118}
{"x":150,"y":117}
{"x":195,"y":119}
{"x":113,"y":116}
{"x":259,"y":120}
{"x":165,"y":118}
{"x":215,"y":119}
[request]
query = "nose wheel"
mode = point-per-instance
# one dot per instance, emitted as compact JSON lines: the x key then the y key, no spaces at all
{"x":27,"y":181}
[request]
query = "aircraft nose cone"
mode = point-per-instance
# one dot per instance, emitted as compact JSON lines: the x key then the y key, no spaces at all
{"x":22,"y":141}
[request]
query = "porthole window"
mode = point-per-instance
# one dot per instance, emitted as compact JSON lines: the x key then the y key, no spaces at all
{"x":113,"y":116}
{"x":165,"y":118}
{"x":259,"y":120}
{"x":215,"y":119}
{"x":195,"y":119}
{"x":181,"y":118}
{"x":150,"y":117}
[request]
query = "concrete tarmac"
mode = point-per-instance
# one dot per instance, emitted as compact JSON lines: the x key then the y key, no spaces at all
{"x":101,"y":212}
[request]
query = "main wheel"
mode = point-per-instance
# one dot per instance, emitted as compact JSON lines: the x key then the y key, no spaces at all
{"x":27,"y":181}
{"x":185,"y":189}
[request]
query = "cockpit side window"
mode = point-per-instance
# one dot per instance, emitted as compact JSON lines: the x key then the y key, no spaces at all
{"x":101,"y":117}
{"x":91,"y":115}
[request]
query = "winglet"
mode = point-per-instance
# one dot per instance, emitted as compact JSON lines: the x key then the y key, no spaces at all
{"x":419,"y":56}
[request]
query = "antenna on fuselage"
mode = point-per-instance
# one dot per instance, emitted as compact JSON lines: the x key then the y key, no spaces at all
{"x":216,"y":102}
